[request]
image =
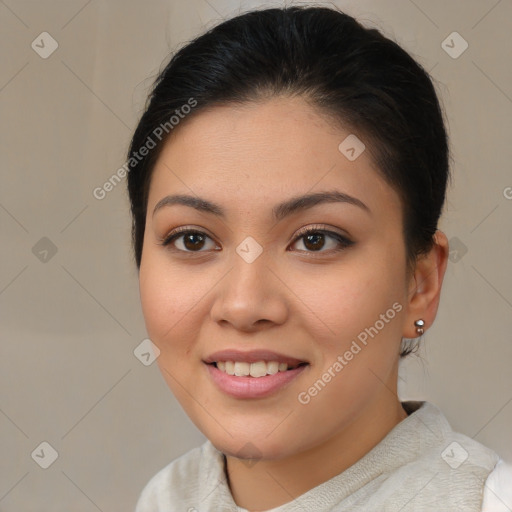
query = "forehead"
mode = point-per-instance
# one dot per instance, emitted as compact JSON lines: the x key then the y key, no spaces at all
{"x":269,"y":150}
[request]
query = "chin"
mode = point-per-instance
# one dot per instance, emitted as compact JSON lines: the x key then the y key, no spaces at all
{"x":248,"y":445}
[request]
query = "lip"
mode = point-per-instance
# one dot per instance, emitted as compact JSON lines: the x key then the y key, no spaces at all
{"x":252,"y":356}
{"x":252,"y":387}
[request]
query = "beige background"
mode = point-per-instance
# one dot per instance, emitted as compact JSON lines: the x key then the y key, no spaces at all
{"x":70,"y":324}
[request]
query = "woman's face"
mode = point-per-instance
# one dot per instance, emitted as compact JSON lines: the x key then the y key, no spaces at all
{"x":250,"y":281}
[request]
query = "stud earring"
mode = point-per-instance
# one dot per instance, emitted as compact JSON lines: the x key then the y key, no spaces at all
{"x":419,"y":326}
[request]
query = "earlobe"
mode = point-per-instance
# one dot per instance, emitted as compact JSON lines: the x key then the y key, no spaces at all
{"x":425,"y":287}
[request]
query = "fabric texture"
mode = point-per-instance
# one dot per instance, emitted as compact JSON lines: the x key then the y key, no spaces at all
{"x":498,"y":489}
{"x":421,"y":465}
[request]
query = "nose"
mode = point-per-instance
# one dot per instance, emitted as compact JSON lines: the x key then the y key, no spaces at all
{"x":251,"y":296}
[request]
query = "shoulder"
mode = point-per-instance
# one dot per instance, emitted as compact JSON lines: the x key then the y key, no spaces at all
{"x":498,"y":489}
{"x":454,"y":466}
{"x":176,"y":482}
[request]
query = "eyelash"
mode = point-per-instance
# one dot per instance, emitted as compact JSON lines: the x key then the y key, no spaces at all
{"x":343,"y":242}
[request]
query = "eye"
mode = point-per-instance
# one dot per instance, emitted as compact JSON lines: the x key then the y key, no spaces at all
{"x":192,"y":240}
{"x":314,"y":239}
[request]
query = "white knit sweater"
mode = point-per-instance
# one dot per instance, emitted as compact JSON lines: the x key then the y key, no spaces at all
{"x":421,"y":465}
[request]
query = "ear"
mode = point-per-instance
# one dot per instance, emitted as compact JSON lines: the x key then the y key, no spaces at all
{"x":425,"y":286}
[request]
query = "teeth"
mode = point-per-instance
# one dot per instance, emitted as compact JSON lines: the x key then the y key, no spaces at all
{"x":272,"y":367}
{"x":242,"y":369}
{"x":259,"y":369}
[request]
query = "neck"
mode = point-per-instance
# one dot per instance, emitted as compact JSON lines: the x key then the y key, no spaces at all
{"x":271,"y":483}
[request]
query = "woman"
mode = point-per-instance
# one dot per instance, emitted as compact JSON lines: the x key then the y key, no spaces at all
{"x":286,"y":181}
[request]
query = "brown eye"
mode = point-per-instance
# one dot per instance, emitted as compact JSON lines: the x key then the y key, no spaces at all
{"x":193,"y":241}
{"x":314,"y":240}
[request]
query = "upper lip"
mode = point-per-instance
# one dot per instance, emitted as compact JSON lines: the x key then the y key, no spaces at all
{"x":252,"y":356}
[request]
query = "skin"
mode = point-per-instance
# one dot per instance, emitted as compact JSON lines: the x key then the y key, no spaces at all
{"x":304,"y":300}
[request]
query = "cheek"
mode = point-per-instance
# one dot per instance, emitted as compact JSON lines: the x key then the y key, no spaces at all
{"x":170,"y":304}
{"x":166,"y":298}
{"x":156,"y":302}
{"x":176,"y":301}
{"x":345,"y":301}
{"x":361,"y":326}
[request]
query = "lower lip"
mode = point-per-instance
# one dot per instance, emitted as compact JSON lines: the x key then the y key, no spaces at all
{"x":252,"y":387}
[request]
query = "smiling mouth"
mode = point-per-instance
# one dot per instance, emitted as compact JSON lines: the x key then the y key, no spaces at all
{"x":257,"y":369}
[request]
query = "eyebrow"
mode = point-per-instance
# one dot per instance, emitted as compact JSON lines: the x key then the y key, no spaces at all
{"x":279,"y":212}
